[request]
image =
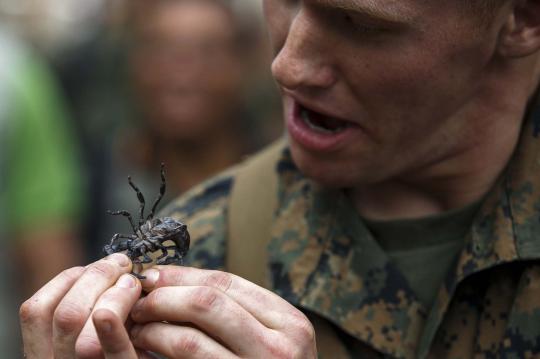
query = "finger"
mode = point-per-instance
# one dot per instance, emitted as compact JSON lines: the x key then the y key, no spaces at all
{"x":270,"y":309}
{"x":117,"y":300}
{"x":175,"y":341}
{"x":209,"y":309}
{"x":36,"y":314}
{"x":75,"y":308}
{"x":113,"y":336}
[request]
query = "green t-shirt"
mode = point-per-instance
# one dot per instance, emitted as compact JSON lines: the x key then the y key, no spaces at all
{"x":42,"y":179}
{"x":424,"y":249}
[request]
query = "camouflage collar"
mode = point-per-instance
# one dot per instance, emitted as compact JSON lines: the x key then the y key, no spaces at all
{"x":323,"y":259}
{"x":507,"y":227}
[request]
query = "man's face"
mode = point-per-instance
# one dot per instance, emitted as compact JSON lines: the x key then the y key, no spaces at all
{"x":186,"y":69}
{"x":378,"y":89}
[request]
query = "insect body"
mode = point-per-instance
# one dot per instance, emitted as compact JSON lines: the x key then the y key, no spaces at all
{"x":151,"y":234}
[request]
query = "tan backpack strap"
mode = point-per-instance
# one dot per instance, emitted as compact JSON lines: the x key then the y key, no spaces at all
{"x":251,"y":209}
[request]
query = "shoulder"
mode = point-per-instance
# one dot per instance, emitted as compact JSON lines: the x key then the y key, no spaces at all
{"x":204,"y":210}
{"x":206,"y":196}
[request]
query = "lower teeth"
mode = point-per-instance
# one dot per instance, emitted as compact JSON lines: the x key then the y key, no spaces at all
{"x":307,"y":121}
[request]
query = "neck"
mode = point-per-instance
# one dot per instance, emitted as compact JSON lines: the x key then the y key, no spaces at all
{"x":466,"y":173}
{"x":188,"y":162}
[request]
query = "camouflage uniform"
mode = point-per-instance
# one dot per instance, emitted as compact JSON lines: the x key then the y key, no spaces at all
{"x":323,"y":260}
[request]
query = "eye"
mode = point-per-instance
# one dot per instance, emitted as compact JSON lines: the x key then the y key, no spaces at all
{"x":360,"y":27}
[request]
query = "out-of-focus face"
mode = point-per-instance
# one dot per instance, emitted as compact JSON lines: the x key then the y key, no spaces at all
{"x":186,"y":69}
{"x":374,"y":90}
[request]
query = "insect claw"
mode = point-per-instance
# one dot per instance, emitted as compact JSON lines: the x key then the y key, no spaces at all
{"x":137,"y":275}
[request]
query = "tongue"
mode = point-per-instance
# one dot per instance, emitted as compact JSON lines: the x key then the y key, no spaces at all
{"x":325,"y":122}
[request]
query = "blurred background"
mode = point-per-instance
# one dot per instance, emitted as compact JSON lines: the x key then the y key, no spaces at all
{"x":93,"y":91}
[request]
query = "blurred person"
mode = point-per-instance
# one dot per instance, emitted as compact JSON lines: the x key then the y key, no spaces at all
{"x":41,"y":193}
{"x":187,"y":65}
{"x":187,"y":61}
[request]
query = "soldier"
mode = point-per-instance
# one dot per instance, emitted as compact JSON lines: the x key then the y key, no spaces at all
{"x":398,"y":219}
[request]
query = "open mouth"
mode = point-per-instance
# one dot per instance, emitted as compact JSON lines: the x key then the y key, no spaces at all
{"x":318,"y":131}
{"x":321,"y":123}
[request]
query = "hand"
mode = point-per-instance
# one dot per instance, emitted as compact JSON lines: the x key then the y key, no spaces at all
{"x":193,"y":313}
{"x":58,"y":321}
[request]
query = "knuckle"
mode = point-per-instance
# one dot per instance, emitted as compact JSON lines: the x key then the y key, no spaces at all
{"x":219,"y":280}
{"x":285,"y":346}
{"x":30,"y":312}
{"x":290,"y":350}
{"x":283,"y":351}
{"x":71,"y":273}
{"x":69,"y":318}
{"x":187,"y":345}
{"x":103,"y":269}
{"x":40,"y":307}
{"x":303,"y":328}
{"x":204,"y":299}
{"x":296,"y":315}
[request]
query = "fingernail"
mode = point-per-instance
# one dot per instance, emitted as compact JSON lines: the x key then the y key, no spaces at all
{"x":120,"y":259}
{"x":126,"y":281}
{"x":152,"y":276}
{"x":135,"y":331}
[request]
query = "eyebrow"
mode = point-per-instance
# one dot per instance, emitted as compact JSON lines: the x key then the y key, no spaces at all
{"x":389,"y":11}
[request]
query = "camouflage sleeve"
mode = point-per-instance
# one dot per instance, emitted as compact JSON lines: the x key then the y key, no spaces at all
{"x":204,"y":210}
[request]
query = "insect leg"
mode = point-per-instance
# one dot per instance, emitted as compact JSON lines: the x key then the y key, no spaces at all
{"x":136,"y":264}
{"x":124,"y":236}
{"x":146,"y":258}
{"x":141,"y":252}
{"x":137,"y":275}
{"x":176,"y":258}
{"x":117,"y":246}
{"x":162,"y":188}
{"x":108,"y":249}
{"x":141,"y":201}
{"x":114,"y":238}
{"x":164,"y":254}
{"x":125,"y":214}
{"x":134,"y":259}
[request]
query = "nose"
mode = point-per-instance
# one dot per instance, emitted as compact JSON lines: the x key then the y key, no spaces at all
{"x":303,"y":61}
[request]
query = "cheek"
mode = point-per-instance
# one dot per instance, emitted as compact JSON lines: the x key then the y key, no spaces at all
{"x":391,"y":93}
{"x":435,"y":79}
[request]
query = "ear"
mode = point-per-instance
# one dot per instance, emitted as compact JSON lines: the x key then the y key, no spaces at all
{"x":520,"y":35}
